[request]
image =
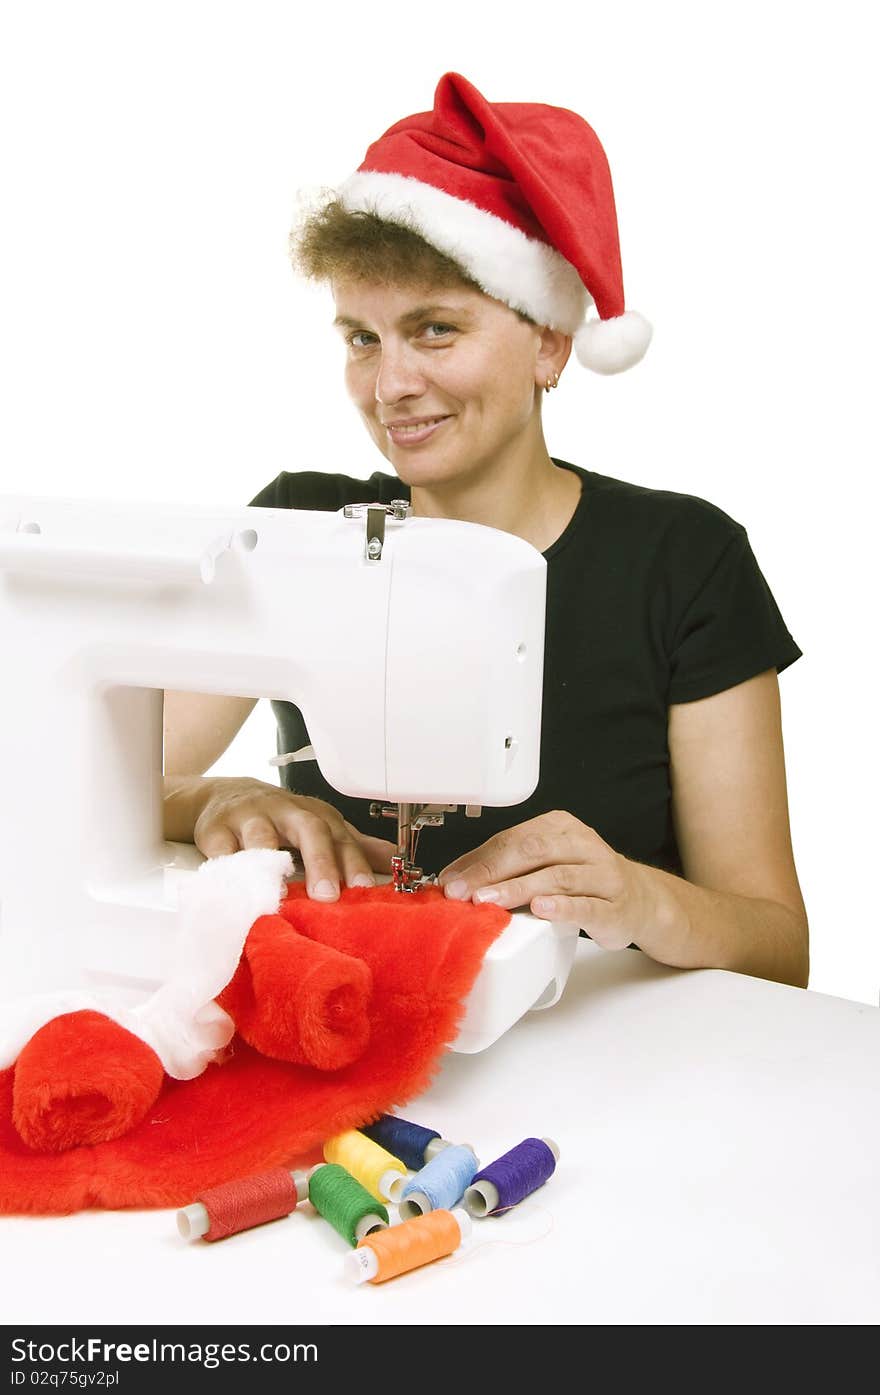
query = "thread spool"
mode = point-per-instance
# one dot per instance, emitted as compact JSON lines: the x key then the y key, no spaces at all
{"x":341,"y":1200}
{"x":440,"y":1184}
{"x":383,"y":1175}
{"x":407,"y":1246}
{"x":512,"y":1177}
{"x":235,"y":1206}
{"x":412,"y":1143}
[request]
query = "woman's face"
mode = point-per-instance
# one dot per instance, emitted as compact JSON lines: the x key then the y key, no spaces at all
{"x":444,"y":378}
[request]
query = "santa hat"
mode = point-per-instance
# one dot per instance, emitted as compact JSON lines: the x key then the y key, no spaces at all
{"x":519,"y":195}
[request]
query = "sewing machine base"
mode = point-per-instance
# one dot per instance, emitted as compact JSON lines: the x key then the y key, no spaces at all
{"x":525,"y":969}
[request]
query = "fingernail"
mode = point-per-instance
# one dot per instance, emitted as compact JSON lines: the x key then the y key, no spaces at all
{"x":362,"y":879}
{"x":326,"y":890}
{"x":487,"y":893}
{"x":457,"y":891}
{"x":544,"y":905}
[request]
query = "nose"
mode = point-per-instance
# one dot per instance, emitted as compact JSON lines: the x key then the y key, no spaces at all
{"x":399,"y":375}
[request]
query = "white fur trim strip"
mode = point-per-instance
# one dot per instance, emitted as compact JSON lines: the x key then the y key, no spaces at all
{"x":217,"y":906}
{"x":525,"y":274}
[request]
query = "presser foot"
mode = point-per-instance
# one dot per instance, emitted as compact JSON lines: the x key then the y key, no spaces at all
{"x":411,"y":819}
{"x":406,"y":877}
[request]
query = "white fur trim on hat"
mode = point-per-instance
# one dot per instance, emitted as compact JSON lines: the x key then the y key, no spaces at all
{"x":525,"y":274}
{"x":610,"y":346}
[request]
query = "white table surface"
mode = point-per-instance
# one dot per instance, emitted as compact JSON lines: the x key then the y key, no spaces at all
{"x":720,"y":1163}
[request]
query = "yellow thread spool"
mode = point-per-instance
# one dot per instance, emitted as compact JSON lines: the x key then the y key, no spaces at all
{"x":383,"y":1175}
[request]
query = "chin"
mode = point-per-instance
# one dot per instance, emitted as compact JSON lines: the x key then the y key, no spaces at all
{"x":425,"y":473}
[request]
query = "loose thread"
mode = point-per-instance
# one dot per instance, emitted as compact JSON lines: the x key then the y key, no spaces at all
{"x":379,"y":1171}
{"x":242,"y":1204}
{"x":341,"y":1200}
{"x":473,"y":1247}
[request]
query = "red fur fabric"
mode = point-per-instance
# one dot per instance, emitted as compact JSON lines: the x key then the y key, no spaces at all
{"x":82,"y":1079}
{"x":252,"y":1112}
{"x":297,"y":1000}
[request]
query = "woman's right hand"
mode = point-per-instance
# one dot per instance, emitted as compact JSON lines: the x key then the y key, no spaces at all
{"x":237,"y":813}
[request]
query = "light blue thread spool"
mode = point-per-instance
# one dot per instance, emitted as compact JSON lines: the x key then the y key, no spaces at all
{"x":440,"y":1184}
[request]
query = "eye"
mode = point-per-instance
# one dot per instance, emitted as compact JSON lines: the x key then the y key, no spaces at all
{"x":360,"y":339}
{"x":438,"y":330}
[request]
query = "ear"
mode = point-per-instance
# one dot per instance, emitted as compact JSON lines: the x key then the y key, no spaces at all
{"x":553,"y":349}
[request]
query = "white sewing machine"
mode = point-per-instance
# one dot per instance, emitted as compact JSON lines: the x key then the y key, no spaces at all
{"x":413,"y":647}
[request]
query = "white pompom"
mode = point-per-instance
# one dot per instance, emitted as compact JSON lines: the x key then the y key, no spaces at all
{"x":610,"y":346}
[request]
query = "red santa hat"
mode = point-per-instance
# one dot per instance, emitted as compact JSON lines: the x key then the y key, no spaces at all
{"x":519,"y":195}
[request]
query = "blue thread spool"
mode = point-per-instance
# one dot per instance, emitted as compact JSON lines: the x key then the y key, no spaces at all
{"x":512,"y":1177}
{"x":412,"y":1143}
{"x":440,"y":1183}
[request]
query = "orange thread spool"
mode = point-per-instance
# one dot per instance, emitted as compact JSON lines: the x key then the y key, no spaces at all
{"x":401,"y":1248}
{"x":243,"y":1204}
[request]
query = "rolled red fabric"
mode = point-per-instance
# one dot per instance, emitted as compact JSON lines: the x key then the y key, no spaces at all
{"x":82,"y":1079}
{"x":296,"y":1000}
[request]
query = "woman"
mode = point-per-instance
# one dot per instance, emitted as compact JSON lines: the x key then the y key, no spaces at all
{"x":462,"y":257}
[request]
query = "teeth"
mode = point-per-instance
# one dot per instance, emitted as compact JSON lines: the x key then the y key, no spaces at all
{"x":416,"y":425}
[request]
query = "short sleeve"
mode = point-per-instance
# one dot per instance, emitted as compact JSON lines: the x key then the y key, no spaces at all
{"x":730,"y":630}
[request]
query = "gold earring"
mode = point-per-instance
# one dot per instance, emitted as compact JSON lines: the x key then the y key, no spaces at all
{"x":551,"y":382}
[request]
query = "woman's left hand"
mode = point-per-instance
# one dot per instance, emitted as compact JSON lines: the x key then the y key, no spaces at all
{"x":561,"y":870}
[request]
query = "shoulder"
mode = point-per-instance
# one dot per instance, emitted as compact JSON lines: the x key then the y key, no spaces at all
{"x":661,"y":510}
{"x":315,"y":489}
{"x":658,"y":525}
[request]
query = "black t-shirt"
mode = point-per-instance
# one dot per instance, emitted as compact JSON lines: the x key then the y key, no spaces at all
{"x":653,"y":598}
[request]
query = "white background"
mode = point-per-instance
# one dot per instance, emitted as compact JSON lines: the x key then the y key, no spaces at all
{"x":155,"y":344}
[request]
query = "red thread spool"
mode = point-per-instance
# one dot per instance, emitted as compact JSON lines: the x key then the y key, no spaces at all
{"x":242,"y":1204}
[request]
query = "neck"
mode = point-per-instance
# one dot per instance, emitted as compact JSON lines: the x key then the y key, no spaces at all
{"x":523,"y":493}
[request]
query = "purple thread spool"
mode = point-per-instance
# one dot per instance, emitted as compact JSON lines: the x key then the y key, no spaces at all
{"x":513,"y":1176}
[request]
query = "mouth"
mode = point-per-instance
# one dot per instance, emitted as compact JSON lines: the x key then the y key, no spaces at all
{"x":414,"y":431}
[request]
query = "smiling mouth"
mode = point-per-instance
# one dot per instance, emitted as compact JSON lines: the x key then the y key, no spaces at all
{"x":412,"y":428}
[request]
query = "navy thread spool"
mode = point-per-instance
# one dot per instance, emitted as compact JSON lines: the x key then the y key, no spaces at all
{"x":412,"y":1143}
{"x":512,"y":1177}
{"x":440,"y":1184}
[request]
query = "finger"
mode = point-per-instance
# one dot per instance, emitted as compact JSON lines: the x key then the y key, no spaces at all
{"x":353,"y":861}
{"x":313,"y":837}
{"x":257,"y":831}
{"x":378,"y":851}
{"x":589,"y":913}
{"x":217,"y":840}
{"x":539,"y":842}
{"x":574,"y":880}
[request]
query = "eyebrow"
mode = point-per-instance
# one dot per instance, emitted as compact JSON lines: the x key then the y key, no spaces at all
{"x":421,"y":312}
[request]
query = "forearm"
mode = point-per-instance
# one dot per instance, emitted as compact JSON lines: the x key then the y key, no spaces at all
{"x":692,"y":927}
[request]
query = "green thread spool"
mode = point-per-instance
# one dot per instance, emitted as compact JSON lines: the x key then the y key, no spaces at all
{"x":342,"y":1201}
